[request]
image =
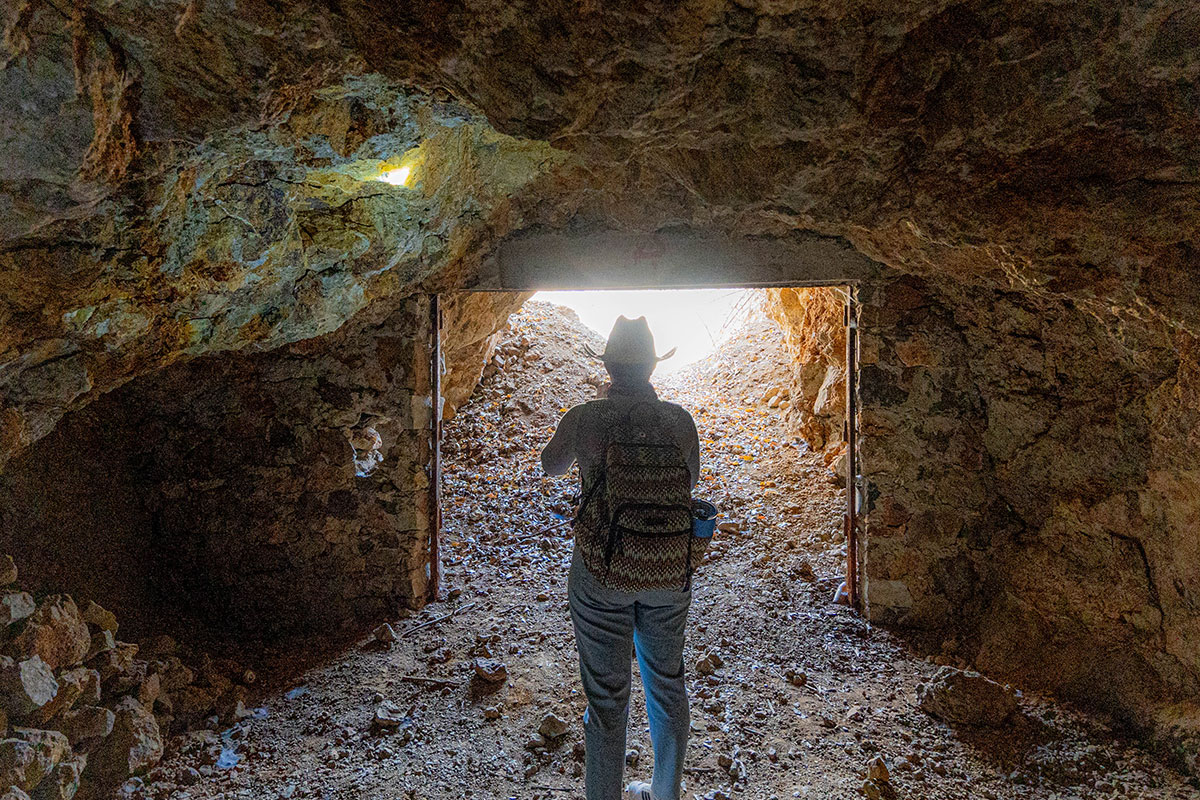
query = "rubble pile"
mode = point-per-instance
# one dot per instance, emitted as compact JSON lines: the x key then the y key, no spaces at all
{"x":83,"y":713}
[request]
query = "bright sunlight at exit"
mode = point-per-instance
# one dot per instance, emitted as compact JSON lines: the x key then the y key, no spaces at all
{"x":695,"y":321}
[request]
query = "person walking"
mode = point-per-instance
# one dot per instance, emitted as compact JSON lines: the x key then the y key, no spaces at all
{"x":629,"y":587}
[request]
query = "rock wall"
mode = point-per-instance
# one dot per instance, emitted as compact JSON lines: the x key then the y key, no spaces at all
{"x":269,"y":492}
{"x":471,"y":326}
{"x":814,"y":331}
{"x":1021,"y":502}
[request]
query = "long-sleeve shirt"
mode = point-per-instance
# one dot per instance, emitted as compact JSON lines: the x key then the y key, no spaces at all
{"x":577,"y":438}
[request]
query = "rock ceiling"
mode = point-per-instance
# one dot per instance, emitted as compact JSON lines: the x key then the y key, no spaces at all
{"x":185,"y":178}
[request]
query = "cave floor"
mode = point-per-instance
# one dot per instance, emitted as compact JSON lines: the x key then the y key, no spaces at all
{"x":762,"y":607}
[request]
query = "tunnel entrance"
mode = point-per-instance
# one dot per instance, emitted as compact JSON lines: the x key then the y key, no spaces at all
{"x":763,"y":372}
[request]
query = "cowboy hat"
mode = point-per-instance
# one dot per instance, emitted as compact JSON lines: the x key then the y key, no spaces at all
{"x":629,"y":343}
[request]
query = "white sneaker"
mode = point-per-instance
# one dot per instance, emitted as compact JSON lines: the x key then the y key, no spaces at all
{"x":638,"y":790}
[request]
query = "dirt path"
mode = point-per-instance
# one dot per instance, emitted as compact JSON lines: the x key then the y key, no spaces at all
{"x":805,"y":694}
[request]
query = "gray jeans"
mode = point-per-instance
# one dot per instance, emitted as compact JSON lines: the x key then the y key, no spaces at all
{"x":607,"y":626}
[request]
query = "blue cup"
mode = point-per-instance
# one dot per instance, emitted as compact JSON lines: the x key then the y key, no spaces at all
{"x":704,"y":519}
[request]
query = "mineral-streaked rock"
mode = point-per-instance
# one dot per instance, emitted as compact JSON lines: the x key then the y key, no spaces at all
{"x":966,"y":697}
{"x":63,"y":781}
{"x":48,"y":747}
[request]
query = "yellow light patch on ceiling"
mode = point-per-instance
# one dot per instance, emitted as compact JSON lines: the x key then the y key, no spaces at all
{"x":397,"y":177}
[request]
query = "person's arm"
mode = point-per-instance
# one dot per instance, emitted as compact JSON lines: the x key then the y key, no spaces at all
{"x":691,"y":448}
{"x":559,"y":454}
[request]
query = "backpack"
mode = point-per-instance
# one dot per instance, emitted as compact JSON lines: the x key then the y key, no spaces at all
{"x":634,"y":525}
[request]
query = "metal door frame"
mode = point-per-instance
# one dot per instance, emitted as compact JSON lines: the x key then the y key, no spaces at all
{"x":851,"y":517}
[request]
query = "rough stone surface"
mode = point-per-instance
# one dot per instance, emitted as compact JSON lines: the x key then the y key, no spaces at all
{"x":277,"y":527}
{"x":56,"y":632}
{"x":967,"y":698}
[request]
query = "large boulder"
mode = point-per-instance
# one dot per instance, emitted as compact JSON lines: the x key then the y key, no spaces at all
{"x":71,"y":686}
{"x":85,"y":724}
{"x":56,"y":632}
{"x":134,"y":746}
{"x":30,"y":755}
{"x":967,"y":698}
{"x":25,"y":686}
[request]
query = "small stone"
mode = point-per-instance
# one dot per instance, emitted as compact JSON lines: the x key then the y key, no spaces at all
{"x":149,"y":690}
{"x":542,"y":597}
{"x":795,"y":677}
{"x":56,"y":632}
{"x":489,"y":670}
{"x":552,"y":726}
{"x":706,"y":665}
{"x":877,"y":770}
{"x":491,"y":712}
{"x":25,"y":686}
{"x":535,"y":742}
{"x":385,"y":634}
{"x":99,"y":617}
{"x":113,"y":662}
{"x":249,"y":677}
{"x":968,"y":698}
{"x":632,"y":756}
{"x":15,"y":606}
{"x":388,"y":716}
